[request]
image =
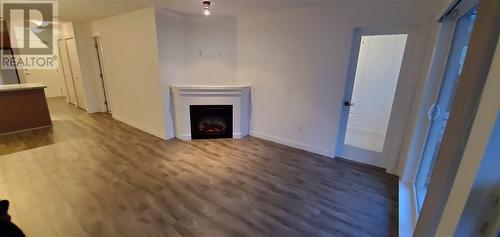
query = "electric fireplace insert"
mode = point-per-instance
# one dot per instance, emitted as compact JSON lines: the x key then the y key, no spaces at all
{"x":211,"y":121}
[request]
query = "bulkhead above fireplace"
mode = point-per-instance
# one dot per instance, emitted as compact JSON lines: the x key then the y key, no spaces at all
{"x":211,"y":121}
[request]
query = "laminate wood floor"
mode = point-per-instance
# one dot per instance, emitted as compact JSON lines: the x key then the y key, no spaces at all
{"x":90,"y":175}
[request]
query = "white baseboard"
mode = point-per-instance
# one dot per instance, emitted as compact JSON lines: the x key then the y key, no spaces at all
{"x":138,"y":126}
{"x":185,"y":137}
{"x":238,"y":135}
{"x":290,"y":143}
{"x":407,"y":210}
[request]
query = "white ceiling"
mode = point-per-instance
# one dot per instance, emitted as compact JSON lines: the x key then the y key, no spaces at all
{"x":83,"y":10}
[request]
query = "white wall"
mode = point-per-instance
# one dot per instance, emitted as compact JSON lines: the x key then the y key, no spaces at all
{"x":48,"y":77}
{"x":474,"y":150}
{"x":170,"y":33}
{"x":194,"y":49}
{"x":210,"y":49}
{"x":296,"y":61}
{"x":130,"y":54}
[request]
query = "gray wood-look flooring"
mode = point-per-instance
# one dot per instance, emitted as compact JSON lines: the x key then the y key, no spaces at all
{"x":90,"y":175}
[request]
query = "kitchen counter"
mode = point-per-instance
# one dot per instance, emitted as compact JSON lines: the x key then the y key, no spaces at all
{"x":19,"y":87}
{"x":23,"y":107}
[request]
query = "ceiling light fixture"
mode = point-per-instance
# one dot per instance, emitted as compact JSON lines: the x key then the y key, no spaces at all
{"x":206,"y":7}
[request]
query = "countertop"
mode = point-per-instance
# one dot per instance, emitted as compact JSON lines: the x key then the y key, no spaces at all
{"x":20,"y":87}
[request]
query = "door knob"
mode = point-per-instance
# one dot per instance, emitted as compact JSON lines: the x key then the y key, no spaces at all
{"x":348,"y":103}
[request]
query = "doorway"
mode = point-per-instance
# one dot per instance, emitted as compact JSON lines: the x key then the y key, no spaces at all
{"x":366,"y":131}
{"x":72,"y":72}
{"x":67,"y":73}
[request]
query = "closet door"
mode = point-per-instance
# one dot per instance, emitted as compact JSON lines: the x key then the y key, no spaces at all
{"x":66,"y":69}
{"x":77,"y":72}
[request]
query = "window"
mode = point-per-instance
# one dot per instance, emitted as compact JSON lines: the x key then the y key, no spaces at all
{"x":440,"y":111}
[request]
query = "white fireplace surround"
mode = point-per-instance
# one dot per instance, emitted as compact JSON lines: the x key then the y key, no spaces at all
{"x":236,"y":95}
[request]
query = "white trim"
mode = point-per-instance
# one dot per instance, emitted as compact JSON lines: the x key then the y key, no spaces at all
{"x":446,"y":9}
{"x":140,"y":127}
{"x":430,"y":92}
{"x":290,"y":143}
{"x":91,"y":111}
{"x":198,"y":88}
{"x":187,"y":137}
{"x":183,"y":96}
{"x":238,"y":135}
{"x":407,"y":206}
{"x":456,"y":5}
{"x":104,"y":85}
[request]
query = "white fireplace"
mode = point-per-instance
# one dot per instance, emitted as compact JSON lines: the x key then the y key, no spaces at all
{"x":237,"y":96}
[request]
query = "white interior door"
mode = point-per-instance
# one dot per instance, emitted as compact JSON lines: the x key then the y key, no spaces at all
{"x":66,"y":70}
{"x":76,"y":72}
{"x":369,"y":98}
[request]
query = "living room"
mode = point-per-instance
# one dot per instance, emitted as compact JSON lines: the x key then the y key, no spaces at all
{"x":267,"y":118}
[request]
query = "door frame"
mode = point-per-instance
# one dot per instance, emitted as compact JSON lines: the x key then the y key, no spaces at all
{"x":64,"y":72}
{"x":432,"y":86}
{"x":400,"y":111}
{"x":436,"y":206}
{"x":75,"y":66}
{"x":433,"y":116}
{"x":102,"y":74}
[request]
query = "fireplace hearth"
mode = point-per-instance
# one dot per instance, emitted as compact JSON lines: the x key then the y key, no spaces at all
{"x":211,"y":121}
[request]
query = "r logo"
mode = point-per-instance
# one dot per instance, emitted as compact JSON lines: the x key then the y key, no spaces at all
{"x":30,"y":26}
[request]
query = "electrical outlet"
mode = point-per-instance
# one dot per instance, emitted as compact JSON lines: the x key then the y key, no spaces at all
{"x":301,"y":129}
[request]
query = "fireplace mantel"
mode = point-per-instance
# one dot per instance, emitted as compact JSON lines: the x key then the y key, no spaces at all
{"x":210,"y":87}
{"x":236,"y":95}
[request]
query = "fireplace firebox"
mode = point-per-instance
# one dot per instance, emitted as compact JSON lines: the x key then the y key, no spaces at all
{"x":211,"y":121}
